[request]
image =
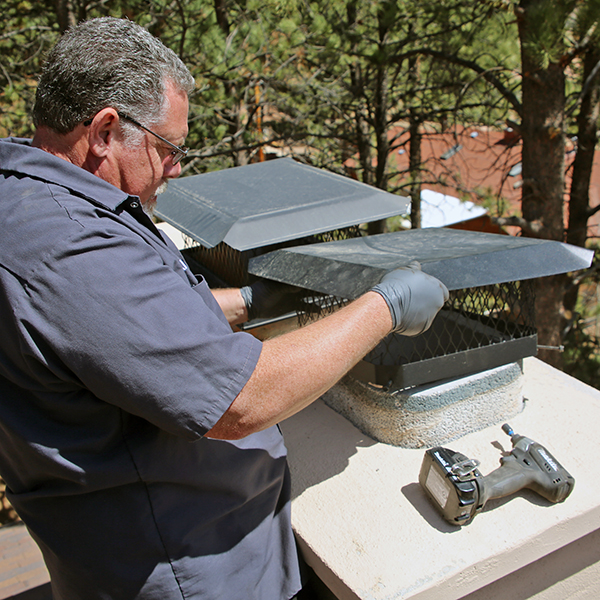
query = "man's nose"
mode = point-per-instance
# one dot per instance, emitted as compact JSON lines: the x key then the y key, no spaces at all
{"x":172,"y":171}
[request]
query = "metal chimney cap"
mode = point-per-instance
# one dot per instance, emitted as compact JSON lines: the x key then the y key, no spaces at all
{"x":271,"y":202}
{"x":460,"y":259}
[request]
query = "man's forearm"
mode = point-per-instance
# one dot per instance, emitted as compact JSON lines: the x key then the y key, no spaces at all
{"x":298,"y":367}
{"x":232,"y":304}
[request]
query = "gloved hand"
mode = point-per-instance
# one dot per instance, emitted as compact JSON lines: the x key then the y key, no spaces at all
{"x":413,"y":297}
{"x":266,"y":299}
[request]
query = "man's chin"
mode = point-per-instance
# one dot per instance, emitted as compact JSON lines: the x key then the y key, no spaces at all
{"x":162,"y":188}
{"x":150,"y":204}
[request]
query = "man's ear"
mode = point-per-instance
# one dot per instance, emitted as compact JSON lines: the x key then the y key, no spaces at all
{"x":103,"y":131}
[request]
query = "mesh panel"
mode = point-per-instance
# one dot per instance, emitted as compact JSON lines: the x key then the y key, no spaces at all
{"x":231,"y":265}
{"x":316,"y":305}
{"x":471,"y":318}
{"x":224,"y":261}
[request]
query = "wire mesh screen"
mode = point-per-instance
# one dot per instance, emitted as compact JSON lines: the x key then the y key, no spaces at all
{"x":314,"y":306}
{"x":472,"y":318}
{"x":230,"y":266}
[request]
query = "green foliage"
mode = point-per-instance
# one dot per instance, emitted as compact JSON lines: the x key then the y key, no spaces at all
{"x":370,"y":67}
{"x":583,"y":22}
{"x":556,"y":26}
{"x":547,"y":21}
{"x":582,"y":355}
{"x":582,"y":340}
{"x":497,"y":206}
{"x":307,"y":70}
{"x":26,"y":33}
{"x":239,"y":57}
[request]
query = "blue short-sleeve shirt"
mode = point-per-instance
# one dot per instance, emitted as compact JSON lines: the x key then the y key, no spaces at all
{"x":115,"y":360}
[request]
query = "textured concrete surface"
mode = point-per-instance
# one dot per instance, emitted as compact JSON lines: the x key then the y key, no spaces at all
{"x":370,"y":533}
{"x":433,"y":414}
{"x":569,"y":573}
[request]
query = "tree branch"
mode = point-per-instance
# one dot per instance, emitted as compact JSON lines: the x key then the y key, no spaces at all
{"x":584,"y":89}
{"x":593,"y":211}
{"x":473,"y":66}
{"x":532,"y":229}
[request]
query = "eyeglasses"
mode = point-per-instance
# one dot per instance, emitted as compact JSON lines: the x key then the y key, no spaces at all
{"x":177,"y":153}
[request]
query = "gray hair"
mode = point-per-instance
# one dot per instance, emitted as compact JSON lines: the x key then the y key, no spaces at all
{"x":107,"y":62}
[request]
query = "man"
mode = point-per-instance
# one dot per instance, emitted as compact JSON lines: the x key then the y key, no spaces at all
{"x":137,"y":431}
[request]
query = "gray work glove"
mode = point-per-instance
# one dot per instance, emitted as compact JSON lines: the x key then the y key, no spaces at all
{"x":266,"y":299}
{"x":413,"y":297}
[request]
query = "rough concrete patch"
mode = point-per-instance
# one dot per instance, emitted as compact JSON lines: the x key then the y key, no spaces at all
{"x":430,"y":415}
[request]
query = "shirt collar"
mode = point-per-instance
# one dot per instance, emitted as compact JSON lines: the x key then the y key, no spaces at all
{"x":18,"y":156}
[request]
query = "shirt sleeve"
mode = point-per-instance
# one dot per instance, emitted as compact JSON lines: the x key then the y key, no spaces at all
{"x":105,"y":313}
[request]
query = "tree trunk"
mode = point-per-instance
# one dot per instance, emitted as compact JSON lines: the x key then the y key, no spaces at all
{"x":587,"y":137}
{"x":414,"y":162}
{"x":68,"y":13}
{"x":381,"y":110}
{"x":414,"y":152}
{"x":543,"y":159}
{"x":234,"y":115}
{"x":381,"y":129}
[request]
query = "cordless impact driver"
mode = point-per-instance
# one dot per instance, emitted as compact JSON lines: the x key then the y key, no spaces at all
{"x":459,"y":491}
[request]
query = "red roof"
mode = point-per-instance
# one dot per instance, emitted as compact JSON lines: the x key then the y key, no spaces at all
{"x":482,"y":165}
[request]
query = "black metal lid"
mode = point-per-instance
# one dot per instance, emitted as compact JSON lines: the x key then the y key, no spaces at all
{"x":271,"y":202}
{"x":460,"y":259}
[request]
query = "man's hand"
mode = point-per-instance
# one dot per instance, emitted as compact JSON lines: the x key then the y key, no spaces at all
{"x":413,"y":297}
{"x":265,"y":299}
